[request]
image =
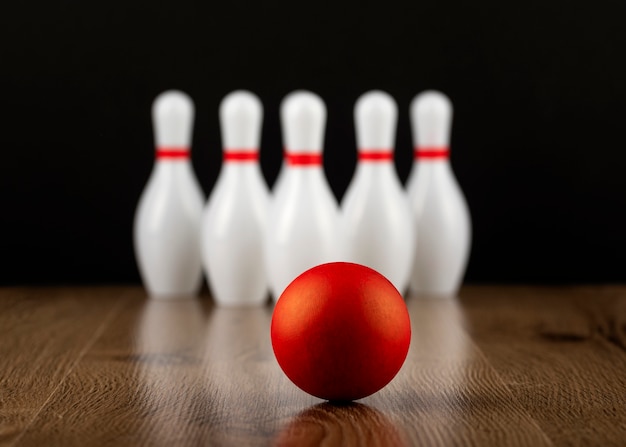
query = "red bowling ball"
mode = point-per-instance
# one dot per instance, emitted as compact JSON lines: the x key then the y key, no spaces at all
{"x":340,"y":331}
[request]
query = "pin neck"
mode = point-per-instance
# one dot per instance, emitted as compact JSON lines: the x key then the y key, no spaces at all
{"x":379,"y":155}
{"x":172,"y":153}
{"x":303,"y":158}
{"x":432,"y":153}
{"x":241,"y":155}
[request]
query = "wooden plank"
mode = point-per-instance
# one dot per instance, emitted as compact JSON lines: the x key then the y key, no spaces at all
{"x":562,"y":354}
{"x":171,"y":373}
{"x":446,"y":392}
{"x":43,"y":334}
{"x":187,"y":373}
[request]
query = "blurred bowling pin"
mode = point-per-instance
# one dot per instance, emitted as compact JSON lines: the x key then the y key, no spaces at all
{"x":235,"y":217}
{"x":440,"y":213}
{"x":376,"y":217}
{"x":167,"y":220}
{"x":303,"y":219}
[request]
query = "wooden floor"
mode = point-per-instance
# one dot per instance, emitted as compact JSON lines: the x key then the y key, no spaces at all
{"x":498,"y":366}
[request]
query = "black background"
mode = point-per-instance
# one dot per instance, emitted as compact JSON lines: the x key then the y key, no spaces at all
{"x":539,"y":89}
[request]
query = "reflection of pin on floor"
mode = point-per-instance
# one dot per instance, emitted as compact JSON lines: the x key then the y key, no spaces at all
{"x":234,"y":334}
{"x":440,"y":214}
{"x":167,"y":220}
{"x":170,"y":330}
{"x":167,"y":346}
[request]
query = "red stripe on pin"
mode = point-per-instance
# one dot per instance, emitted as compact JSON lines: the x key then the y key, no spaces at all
{"x":376,"y":156}
{"x":303,"y":159}
{"x":232,"y":155}
{"x":432,"y":152}
{"x":180,"y":153}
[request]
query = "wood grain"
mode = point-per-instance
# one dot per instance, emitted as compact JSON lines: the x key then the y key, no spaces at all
{"x":500,"y":366}
{"x":43,"y":334}
{"x":446,"y":393}
{"x":561,"y":353}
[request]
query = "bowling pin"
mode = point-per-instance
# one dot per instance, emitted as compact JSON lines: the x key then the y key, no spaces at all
{"x":304,"y":216}
{"x":440,"y":214}
{"x":376,"y":217}
{"x":235,"y":217}
{"x":167,"y":220}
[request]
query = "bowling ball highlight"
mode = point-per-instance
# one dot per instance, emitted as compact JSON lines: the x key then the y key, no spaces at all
{"x":340,"y":331}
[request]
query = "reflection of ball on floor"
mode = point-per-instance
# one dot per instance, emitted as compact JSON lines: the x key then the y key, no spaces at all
{"x":347,"y":424}
{"x":340,"y":331}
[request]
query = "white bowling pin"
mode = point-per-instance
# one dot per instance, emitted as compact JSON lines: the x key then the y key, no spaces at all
{"x":167,"y":220}
{"x":303,"y":219}
{"x":440,"y":214}
{"x":235,"y":218}
{"x":376,"y":217}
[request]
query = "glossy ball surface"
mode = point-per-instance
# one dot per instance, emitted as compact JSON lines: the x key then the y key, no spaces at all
{"x":340,"y":331}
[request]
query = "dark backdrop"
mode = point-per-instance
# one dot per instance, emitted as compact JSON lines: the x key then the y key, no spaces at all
{"x":538,"y":88}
